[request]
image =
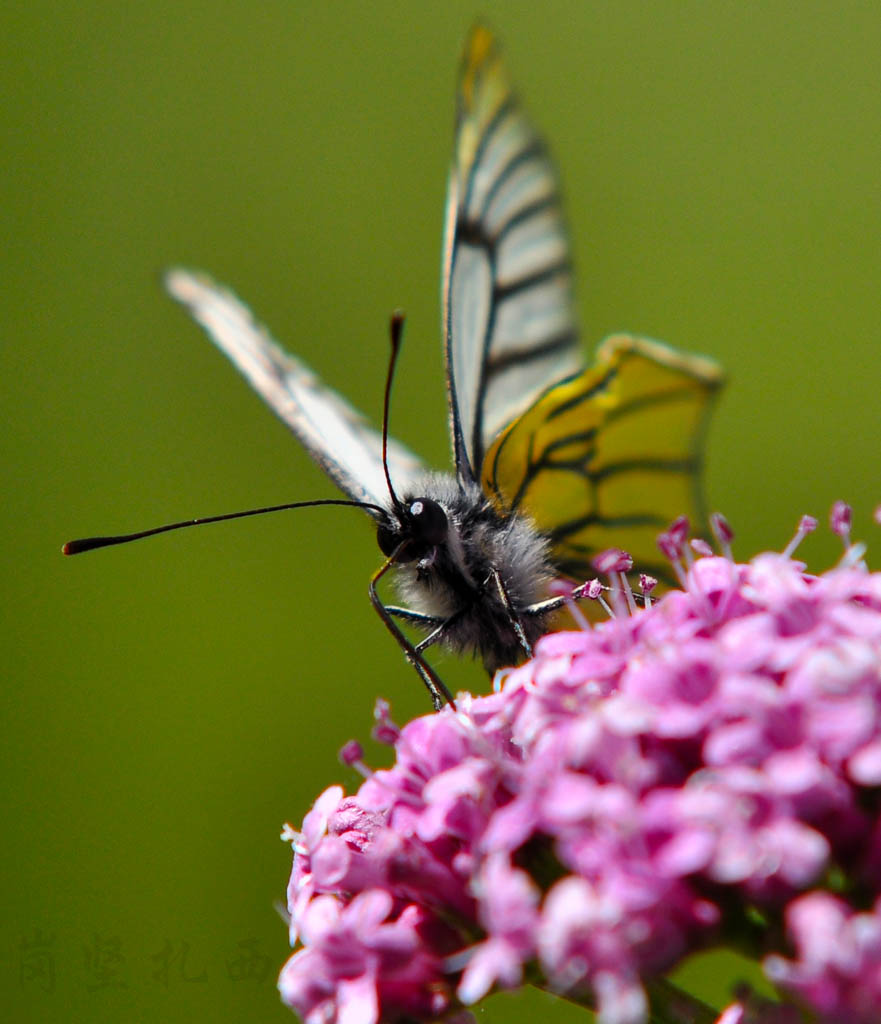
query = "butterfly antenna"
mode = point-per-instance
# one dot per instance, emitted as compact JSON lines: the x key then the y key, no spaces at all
{"x":396,"y":330}
{"x":76,"y":547}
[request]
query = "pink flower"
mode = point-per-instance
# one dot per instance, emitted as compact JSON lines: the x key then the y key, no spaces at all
{"x":509,"y":915}
{"x":680,"y":775}
{"x":837,"y":969}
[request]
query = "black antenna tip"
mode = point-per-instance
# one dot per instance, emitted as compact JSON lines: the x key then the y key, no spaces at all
{"x":76,"y":547}
{"x":396,"y":327}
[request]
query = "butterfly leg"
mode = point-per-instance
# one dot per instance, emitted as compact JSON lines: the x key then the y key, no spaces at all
{"x":553,"y":604}
{"x":438,"y":692}
{"x":441,"y":626}
{"x":512,"y":614}
{"x":417,"y":618}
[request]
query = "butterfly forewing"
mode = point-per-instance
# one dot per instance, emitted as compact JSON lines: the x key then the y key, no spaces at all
{"x":609,"y":456}
{"x":334,"y":433}
{"x":509,"y":324}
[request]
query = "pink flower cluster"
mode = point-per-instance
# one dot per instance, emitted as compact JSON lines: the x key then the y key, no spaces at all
{"x":703,"y":768}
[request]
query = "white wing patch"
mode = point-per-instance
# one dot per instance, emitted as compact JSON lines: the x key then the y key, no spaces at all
{"x":336,"y":435}
{"x":469,"y":315}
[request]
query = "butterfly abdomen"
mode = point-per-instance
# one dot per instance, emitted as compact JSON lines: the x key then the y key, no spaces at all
{"x":457,"y":581}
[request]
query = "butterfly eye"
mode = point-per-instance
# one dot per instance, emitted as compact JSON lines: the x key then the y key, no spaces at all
{"x":429,"y":521}
{"x":423,"y":525}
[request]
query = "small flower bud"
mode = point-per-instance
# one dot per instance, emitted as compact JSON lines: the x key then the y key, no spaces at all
{"x":840,"y":519}
{"x":351,"y":753}
{"x":807,"y":524}
{"x":721,"y":529}
{"x":612,"y":560}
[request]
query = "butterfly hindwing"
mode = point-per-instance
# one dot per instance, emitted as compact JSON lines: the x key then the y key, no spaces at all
{"x":608,"y":457}
{"x":508,"y":318}
{"x":336,"y":436}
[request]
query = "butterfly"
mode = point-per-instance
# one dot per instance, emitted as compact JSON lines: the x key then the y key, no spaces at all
{"x":553,"y":462}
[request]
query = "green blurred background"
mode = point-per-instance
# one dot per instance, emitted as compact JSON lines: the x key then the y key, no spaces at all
{"x":169,"y":705}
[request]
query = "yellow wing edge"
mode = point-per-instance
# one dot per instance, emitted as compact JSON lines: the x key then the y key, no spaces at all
{"x":610,"y":456}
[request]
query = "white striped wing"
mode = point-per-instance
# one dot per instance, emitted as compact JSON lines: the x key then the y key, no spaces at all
{"x":336,"y":436}
{"x":509,"y":324}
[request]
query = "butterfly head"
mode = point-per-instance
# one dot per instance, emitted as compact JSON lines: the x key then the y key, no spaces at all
{"x":413,"y":529}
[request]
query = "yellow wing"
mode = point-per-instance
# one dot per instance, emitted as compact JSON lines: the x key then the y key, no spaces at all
{"x":609,"y":457}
